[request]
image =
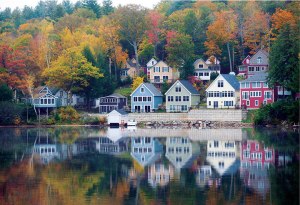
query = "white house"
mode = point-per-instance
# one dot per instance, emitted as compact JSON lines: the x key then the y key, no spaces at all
{"x":203,"y":69}
{"x":117,"y":117}
{"x":222,"y":156}
{"x":223,"y":92}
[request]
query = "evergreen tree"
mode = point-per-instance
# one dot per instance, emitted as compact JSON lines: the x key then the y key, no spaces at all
{"x":107,"y":7}
{"x":6,"y":93}
{"x":284,"y":61}
{"x":93,"y":6}
{"x":68,"y":6}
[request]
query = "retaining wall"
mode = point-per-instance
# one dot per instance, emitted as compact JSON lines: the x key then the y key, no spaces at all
{"x":221,"y":115}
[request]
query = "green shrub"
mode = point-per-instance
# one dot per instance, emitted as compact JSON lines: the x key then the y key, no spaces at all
{"x":282,"y":110}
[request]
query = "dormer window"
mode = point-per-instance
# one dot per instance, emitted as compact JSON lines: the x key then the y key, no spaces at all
{"x":142,"y":89}
{"x":200,"y":65}
{"x":259,"y":60}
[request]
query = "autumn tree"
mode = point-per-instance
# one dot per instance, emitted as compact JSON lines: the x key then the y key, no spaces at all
{"x":71,"y":71}
{"x":221,"y":32}
{"x":256,"y":31}
{"x":280,"y":18}
{"x":133,"y":25}
{"x":180,"y":49}
{"x":136,"y":82}
{"x":154,"y":19}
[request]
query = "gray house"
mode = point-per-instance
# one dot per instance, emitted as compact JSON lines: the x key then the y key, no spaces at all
{"x":181,"y":97}
{"x":112,"y":102}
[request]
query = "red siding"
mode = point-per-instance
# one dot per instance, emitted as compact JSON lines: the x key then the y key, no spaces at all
{"x":253,"y":99}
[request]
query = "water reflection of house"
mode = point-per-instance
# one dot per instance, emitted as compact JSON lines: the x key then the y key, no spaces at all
{"x":203,"y":175}
{"x":255,"y":161}
{"x":107,"y":146}
{"x":222,"y":156}
{"x":46,"y":152}
{"x":181,"y":151}
{"x":256,"y":154}
{"x":160,"y":174}
{"x":145,"y":150}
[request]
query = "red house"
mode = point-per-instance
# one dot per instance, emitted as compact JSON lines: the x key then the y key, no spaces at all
{"x":258,"y":63}
{"x":255,"y":154}
{"x":255,"y":91}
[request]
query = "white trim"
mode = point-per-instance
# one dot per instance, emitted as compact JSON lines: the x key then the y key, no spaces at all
{"x":145,"y":87}
{"x":181,"y":85}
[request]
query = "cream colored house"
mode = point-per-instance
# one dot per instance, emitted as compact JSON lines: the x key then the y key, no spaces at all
{"x":162,"y":72}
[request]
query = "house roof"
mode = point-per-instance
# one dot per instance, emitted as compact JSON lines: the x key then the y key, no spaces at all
{"x":199,"y":60}
{"x":122,"y":112}
{"x":232,"y":80}
{"x":159,"y":62}
{"x":259,"y":77}
{"x":189,"y":87}
{"x":130,"y":63}
{"x":53,"y":90}
{"x":151,"y":88}
{"x":116,"y":95}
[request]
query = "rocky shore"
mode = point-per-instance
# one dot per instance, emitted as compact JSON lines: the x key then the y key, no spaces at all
{"x":195,"y":124}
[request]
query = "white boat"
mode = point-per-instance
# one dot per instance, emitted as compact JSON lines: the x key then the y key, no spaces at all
{"x":131,"y":123}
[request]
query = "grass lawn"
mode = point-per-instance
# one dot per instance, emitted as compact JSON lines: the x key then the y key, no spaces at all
{"x":124,"y":91}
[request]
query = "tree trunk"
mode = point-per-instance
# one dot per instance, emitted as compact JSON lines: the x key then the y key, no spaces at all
{"x":32,"y":101}
{"x":115,"y":65}
{"x":136,"y":57}
{"x":229,"y":56}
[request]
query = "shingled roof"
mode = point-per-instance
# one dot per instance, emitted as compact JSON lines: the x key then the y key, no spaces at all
{"x":232,"y":80}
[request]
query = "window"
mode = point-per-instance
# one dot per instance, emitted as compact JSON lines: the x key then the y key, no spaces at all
{"x":209,"y":103}
{"x":245,"y":95}
{"x":185,"y":98}
{"x":156,"y":69}
{"x":201,"y":74}
{"x":259,"y":60}
{"x":178,"y":88}
{"x":52,"y":101}
{"x":165,"y":78}
{"x":184,"y":107}
{"x":216,"y":94}
{"x":256,"y":146}
{"x":216,"y":143}
{"x":195,"y":74}
{"x":165,"y":69}
{"x":255,"y":93}
{"x":142,"y":90}
{"x":149,"y":99}
{"x":256,"y":102}
{"x":140,"y":99}
{"x":248,"y":103}
{"x":206,"y":74}
{"x":266,"y":85}
{"x":177,"y":98}
{"x":61,"y":93}
{"x":145,"y":99}
{"x":220,"y":83}
{"x":246,"y":154}
{"x":228,"y":103}
{"x":147,"y":140}
{"x":137,"y":140}
{"x":251,"y":68}
{"x":200,"y":65}
{"x":256,"y":85}
{"x":268,"y":95}
{"x":268,"y":155}
{"x":134,"y":99}
{"x":170,"y":98}
{"x":256,"y":68}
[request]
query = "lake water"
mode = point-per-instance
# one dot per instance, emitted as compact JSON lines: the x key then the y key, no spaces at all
{"x":79,"y":165}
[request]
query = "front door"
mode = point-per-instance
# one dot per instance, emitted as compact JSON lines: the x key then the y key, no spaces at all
{"x":137,"y":108}
{"x":215,"y":104}
{"x":147,"y":108}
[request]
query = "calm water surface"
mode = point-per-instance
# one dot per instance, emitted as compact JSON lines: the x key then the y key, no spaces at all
{"x":76,"y":165}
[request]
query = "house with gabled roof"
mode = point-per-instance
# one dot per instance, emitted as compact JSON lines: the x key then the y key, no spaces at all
{"x":258,"y":63}
{"x":181,"y":97}
{"x":129,"y":70}
{"x":161,"y":72}
{"x":111,"y":102}
{"x":255,"y":91}
{"x":146,"y":98}
{"x":146,"y":150}
{"x":181,"y":151}
{"x":223,"y":92}
{"x":203,"y":69}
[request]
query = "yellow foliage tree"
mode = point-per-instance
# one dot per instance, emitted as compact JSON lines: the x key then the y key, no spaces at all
{"x":136,"y":82}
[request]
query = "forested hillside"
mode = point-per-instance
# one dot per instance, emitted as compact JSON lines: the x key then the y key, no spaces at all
{"x":81,"y":47}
